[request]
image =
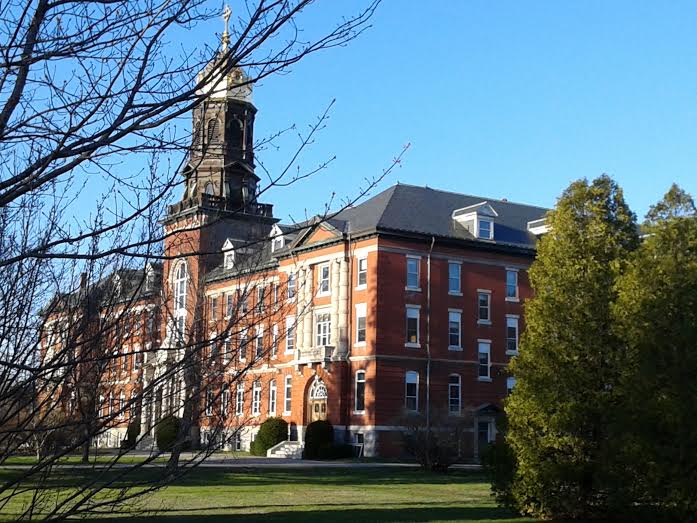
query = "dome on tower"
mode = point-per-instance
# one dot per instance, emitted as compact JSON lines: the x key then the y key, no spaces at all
{"x":235,"y":85}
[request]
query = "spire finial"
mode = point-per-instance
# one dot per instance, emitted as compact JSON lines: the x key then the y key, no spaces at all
{"x":227,"y":12}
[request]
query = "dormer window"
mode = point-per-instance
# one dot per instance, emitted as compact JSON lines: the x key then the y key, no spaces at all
{"x":485,"y":229}
{"x":478,"y":219}
{"x":277,"y":244}
{"x":228,"y":255}
{"x":278,"y":241}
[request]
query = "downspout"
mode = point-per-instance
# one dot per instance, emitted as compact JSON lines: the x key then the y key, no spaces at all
{"x":428,"y":343}
{"x":348,"y":381}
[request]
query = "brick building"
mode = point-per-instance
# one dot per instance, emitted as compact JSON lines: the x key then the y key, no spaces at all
{"x":409,"y":302}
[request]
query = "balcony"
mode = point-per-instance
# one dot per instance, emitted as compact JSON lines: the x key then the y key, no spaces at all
{"x":320,"y":354}
{"x":210,"y":201}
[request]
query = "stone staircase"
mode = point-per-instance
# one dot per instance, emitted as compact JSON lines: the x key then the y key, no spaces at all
{"x":146,"y":443}
{"x":286,"y":450}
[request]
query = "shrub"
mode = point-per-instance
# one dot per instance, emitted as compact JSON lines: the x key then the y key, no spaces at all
{"x":272,"y":432}
{"x":132,"y":434}
{"x":500,"y":465}
{"x":166,"y":432}
{"x":317,"y":435}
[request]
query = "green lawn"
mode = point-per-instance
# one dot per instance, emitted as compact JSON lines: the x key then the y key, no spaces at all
{"x":211,"y":495}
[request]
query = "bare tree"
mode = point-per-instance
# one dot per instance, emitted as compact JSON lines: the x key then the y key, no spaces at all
{"x":93,"y":96}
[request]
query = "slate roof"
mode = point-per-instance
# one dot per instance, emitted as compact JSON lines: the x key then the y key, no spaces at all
{"x":425,"y":211}
{"x":406,"y":209}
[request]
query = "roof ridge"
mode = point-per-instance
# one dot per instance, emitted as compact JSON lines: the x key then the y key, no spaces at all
{"x":484,"y":198}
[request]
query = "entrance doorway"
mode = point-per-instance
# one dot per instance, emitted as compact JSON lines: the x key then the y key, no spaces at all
{"x":317,"y":401}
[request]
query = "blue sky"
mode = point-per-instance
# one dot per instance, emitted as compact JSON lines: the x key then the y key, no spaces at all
{"x":498,"y":99}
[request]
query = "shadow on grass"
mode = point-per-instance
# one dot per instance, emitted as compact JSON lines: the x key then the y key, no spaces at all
{"x":420,"y":514}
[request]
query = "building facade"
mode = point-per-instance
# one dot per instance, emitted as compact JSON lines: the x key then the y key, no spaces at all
{"x":407,"y":304}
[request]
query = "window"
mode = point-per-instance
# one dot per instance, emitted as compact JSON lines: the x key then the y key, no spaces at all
{"x":511,"y":284}
{"x":256,"y":398}
{"x":511,"y":334}
{"x":210,"y":398}
{"x":236,"y":442}
{"x":362,"y":275}
{"x":287,"y":391}
{"x":275,"y":294}
{"x":290,"y":335}
{"x":227,"y":349}
{"x":242,"y":300}
{"x":484,"y":360}
{"x":413,"y":273}
{"x":229,"y":260}
{"x":261,"y":292}
{"x":180,"y":287}
{"x":454,"y":398}
{"x":360,"y":322}
{"x":259,"y":342}
{"x":277,"y":243}
{"x":323,"y":279}
{"x":510,"y":384}
{"x":229,"y":306}
{"x":484,"y":306}
{"x":323,"y":322}
{"x":274,"y":341}
{"x":122,"y":405}
{"x":412,"y":325}
{"x":454,"y":334}
{"x":360,"y":391}
{"x":454,"y":278}
{"x":214,"y":307}
{"x":291,"y":285}
{"x":239,"y":400}
{"x":486,"y":228}
{"x":272,"y":398}
{"x":243,"y":345}
{"x":224,"y":402}
{"x":411,"y":391}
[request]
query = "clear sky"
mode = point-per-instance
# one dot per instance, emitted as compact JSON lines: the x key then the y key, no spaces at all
{"x":503,"y":99}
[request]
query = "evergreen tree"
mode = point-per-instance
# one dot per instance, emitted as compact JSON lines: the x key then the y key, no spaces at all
{"x":562,"y":413}
{"x":656,"y":314}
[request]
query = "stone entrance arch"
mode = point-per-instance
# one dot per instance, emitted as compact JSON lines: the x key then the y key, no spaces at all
{"x":317,"y":401}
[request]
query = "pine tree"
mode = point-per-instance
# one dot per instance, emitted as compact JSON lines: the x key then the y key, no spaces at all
{"x":561,"y":414}
{"x":656,"y":314}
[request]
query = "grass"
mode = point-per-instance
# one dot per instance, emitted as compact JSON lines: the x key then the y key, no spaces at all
{"x":212,"y":495}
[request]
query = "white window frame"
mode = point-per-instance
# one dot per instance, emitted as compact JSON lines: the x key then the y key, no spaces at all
{"x":480,"y":320}
{"x":321,"y":280}
{"x":244,"y":342}
{"x":259,"y":342}
{"x":455,"y":314}
{"x":484,"y":347}
{"x":361,"y":272}
{"x":272,"y":397}
{"x":274,"y":342}
{"x":256,"y":398}
{"x":417,"y":261}
{"x":210,"y":398}
{"x":411,"y":374}
{"x":415,"y":315}
{"x":458,"y":411}
{"x":261,"y":297}
{"x":239,"y":400}
{"x":290,"y":335}
{"x":479,"y":228}
{"x":287,"y":394}
{"x":229,"y":260}
{"x":323,"y":328}
{"x":224,"y":402}
{"x":515,"y":298}
{"x":451,"y":290}
{"x":291,"y":285}
{"x":181,"y":277}
{"x":229,"y":304}
{"x":512,"y":321}
{"x":360,"y":378}
{"x":361,"y":313}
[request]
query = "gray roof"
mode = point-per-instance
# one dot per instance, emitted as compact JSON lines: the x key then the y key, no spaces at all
{"x":408,"y":210}
{"x":425,"y":211}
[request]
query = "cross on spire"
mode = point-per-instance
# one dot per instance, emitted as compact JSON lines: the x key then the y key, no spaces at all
{"x":227,"y":12}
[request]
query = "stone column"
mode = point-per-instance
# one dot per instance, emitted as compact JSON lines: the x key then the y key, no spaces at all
{"x":344,"y":283}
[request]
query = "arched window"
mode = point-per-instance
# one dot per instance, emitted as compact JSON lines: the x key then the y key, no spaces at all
{"x":411,"y":391}
{"x":212,"y":130}
{"x":180,"y":278}
{"x":454,"y":397}
{"x":360,"y":391}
